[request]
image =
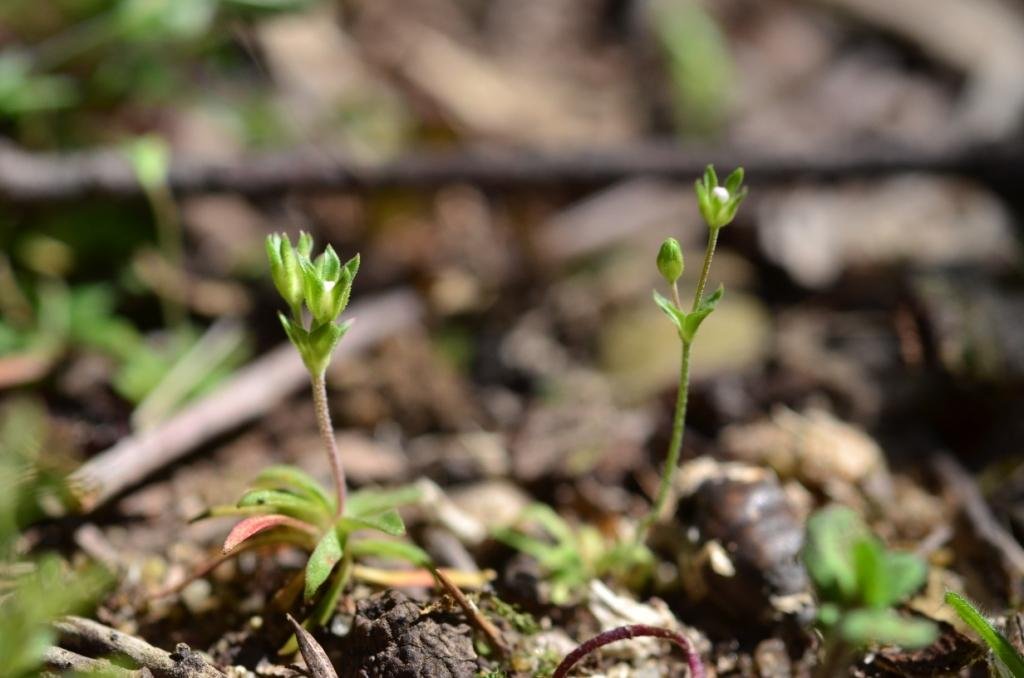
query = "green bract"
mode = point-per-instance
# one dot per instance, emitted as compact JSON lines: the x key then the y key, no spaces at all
{"x":718,"y":204}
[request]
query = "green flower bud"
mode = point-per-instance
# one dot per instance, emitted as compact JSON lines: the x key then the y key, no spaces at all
{"x":284,"y":269}
{"x":670,"y":260}
{"x":719,"y":204}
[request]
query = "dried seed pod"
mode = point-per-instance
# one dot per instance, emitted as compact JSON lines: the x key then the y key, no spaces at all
{"x":746,"y":535}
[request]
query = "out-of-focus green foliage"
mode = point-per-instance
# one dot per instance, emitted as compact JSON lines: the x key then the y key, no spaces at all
{"x":32,"y":592}
{"x":859,"y":582}
{"x":699,"y":64}
{"x":572,"y":558}
{"x":85,"y":56}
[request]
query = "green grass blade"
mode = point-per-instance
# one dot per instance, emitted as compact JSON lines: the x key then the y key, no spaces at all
{"x":1001,"y":647}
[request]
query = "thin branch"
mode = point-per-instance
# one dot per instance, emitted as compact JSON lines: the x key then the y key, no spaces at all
{"x":47,"y":177}
{"x":80,"y":632}
{"x":624,"y":633}
{"x":64,"y":661}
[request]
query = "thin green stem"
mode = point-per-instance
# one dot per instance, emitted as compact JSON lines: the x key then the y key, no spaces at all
{"x":709,"y":252}
{"x":674,"y":447}
{"x":323,"y":422}
{"x":679,"y":420}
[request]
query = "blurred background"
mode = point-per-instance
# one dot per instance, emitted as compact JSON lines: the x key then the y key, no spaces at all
{"x":507,"y":169}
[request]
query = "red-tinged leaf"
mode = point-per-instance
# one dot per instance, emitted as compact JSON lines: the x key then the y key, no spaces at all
{"x":256,"y":524}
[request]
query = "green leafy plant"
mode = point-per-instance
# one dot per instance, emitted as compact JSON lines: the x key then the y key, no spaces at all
{"x":572,"y":558}
{"x":858,"y":582}
{"x":718,"y":206}
{"x":1007,"y":661}
{"x":33,"y":591}
{"x":284,"y":505}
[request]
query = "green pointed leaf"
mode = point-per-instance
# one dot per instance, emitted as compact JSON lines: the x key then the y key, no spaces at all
{"x":369,"y":501}
{"x":284,"y":502}
{"x":325,"y":556}
{"x":677,"y":316}
{"x":295,"y":480}
{"x":734,"y":181}
{"x":305,"y":246}
{"x":329,"y":265}
{"x":710,"y":177}
{"x":886,"y":627}
{"x":388,"y":522}
{"x":692,"y":321}
{"x":295,"y":333}
{"x":352,"y":267}
{"x":394,"y":550}
{"x":1004,"y":652}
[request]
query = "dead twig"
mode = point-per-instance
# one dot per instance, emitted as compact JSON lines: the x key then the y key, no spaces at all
{"x":183,"y":662}
{"x":978,"y":513}
{"x":48,"y":177}
{"x":250,"y":393}
{"x":61,"y":660}
{"x":494,"y":637}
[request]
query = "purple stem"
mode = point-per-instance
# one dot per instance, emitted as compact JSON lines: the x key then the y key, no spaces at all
{"x":625,"y":633}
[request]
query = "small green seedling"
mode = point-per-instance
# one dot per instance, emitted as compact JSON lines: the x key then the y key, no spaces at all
{"x":858,"y":582}
{"x":718,"y":206}
{"x":284,"y":505}
{"x":1007,"y":661}
{"x":572,"y":558}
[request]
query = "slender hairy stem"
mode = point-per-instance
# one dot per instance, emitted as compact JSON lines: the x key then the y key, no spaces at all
{"x":674,"y":447}
{"x":624,"y":633}
{"x":323,"y":422}
{"x":679,"y":420}
{"x":675,"y":295}
{"x":709,"y":252}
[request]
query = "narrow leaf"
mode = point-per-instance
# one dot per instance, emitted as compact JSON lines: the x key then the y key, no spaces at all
{"x":283,"y":502}
{"x":292,"y":479}
{"x":388,"y":522}
{"x":325,"y":556}
{"x":369,"y":501}
{"x":677,"y":316}
{"x":1004,"y":652}
{"x":394,"y":550}
{"x":256,"y":524}
{"x":693,"y":320}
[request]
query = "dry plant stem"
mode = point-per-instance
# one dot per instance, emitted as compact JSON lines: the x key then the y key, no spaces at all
{"x":79,"y":631}
{"x":497,"y":641}
{"x":63,"y":661}
{"x":323,"y":422}
{"x":48,"y":177}
{"x":625,"y":633}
